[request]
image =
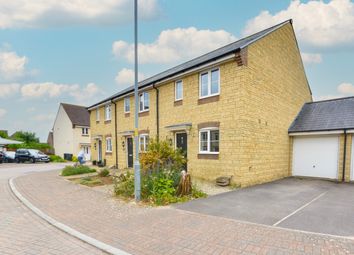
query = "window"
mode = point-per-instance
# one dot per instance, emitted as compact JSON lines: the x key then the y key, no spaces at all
{"x":178,"y":90}
{"x":108,"y":112}
{"x":108,"y":144}
{"x":97,"y":114}
{"x":144,"y":102}
{"x":143,"y":142}
{"x":210,"y":83}
{"x":126,"y":104}
{"x":84,"y":131}
{"x":209,"y":141}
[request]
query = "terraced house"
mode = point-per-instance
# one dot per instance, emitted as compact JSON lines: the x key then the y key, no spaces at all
{"x":229,"y":110}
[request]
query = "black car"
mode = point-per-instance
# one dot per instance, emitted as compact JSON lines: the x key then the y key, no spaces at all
{"x":2,"y":157}
{"x":23,"y":155}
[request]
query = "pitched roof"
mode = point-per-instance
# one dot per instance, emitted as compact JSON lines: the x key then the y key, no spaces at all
{"x":327,"y":115}
{"x":78,"y":115}
{"x":211,"y":56}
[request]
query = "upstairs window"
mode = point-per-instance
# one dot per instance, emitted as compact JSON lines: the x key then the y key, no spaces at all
{"x":209,"y":83}
{"x":108,"y":112}
{"x":143,"y":142}
{"x":84,"y":131}
{"x":144,"y":102}
{"x":126,"y":104}
{"x":178,"y":90}
{"x":97,"y":114}
{"x":209,"y":141}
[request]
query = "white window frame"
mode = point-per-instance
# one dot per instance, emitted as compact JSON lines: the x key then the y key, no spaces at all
{"x":109,"y":147}
{"x":208,"y":141}
{"x":142,"y":94}
{"x":84,"y":131}
{"x":97,"y":114}
{"x":106,"y":115}
{"x":126,"y":100}
{"x":209,"y":83}
{"x":181,"y":82}
{"x":145,"y":144}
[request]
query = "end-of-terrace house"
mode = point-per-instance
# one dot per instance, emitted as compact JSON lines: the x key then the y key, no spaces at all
{"x":229,"y":110}
{"x":71,"y":130}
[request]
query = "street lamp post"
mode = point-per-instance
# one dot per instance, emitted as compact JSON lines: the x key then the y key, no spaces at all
{"x":137,"y":186}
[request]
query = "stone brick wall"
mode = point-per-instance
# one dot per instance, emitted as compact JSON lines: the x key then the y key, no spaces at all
{"x":348,"y":157}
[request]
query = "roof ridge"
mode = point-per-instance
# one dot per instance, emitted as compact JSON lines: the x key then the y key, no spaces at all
{"x":333,"y":99}
{"x":73,"y":105}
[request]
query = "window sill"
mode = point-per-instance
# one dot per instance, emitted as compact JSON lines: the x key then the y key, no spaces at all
{"x":178,"y":102}
{"x":209,"y":99}
{"x":108,"y":153}
{"x":107,"y":121}
{"x":85,"y":135}
{"x":144,"y":113}
{"x":208,"y":156}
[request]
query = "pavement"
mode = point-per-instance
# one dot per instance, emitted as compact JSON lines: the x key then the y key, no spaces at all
{"x":304,"y":204}
{"x":141,"y":230}
{"x":22,"y":232}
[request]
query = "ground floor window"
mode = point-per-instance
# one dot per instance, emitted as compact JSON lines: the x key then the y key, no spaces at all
{"x":209,"y":140}
{"x":108,"y":144}
{"x":143,"y":142}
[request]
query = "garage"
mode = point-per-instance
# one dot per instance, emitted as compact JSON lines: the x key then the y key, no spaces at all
{"x":322,"y":144}
{"x":316,"y":156}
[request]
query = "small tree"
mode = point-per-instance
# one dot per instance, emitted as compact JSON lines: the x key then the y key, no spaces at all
{"x":26,"y":137}
{"x":3,"y":134}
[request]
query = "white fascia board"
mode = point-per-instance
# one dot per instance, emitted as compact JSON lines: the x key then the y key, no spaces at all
{"x":317,"y":133}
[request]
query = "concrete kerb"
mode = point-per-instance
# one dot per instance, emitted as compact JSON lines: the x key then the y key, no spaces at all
{"x":87,"y":239}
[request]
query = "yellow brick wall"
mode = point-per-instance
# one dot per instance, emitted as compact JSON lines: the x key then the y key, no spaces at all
{"x":348,"y":157}
{"x":103,"y":129}
{"x":273,"y":93}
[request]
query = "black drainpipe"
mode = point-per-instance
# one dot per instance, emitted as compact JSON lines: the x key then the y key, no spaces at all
{"x":345,"y":152}
{"x":115,"y":131}
{"x":157,"y":113}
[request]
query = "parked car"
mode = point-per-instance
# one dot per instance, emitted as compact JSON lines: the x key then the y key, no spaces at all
{"x":9,"y":156}
{"x":2,"y":157}
{"x":30,"y":155}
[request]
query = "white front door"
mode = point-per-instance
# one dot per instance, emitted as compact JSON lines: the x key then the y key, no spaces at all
{"x":316,"y":156}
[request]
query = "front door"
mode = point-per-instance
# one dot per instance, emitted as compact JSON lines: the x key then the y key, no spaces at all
{"x":181,"y":143}
{"x":99,"y":150}
{"x":130,"y":151}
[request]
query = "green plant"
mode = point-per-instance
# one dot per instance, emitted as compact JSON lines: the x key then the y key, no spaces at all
{"x":161,"y":154}
{"x":197,"y":193}
{"x":104,"y":172}
{"x":74,"y":159}
{"x":56,"y":158}
{"x":124,"y":185}
{"x":90,"y":182}
{"x":72,"y":170}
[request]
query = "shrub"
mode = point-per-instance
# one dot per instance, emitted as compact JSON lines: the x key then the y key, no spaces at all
{"x":55,"y":158}
{"x":74,"y":159}
{"x":124,"y":185}
{"x":161,"y":154}
{"x":72,"y":170}
{"x":90,"y":182}
{"x":104,"y":172}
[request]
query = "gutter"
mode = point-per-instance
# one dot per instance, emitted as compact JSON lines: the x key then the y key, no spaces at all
{"x":115,"y":131}
{"x":157,"y":113}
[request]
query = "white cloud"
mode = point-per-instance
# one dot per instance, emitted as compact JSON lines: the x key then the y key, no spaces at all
{"x":174,"y":45}
{"x":125,"y":77}
{"x":12,"y":66}
{"x":53,"y":90}
{"x":310,"y":58}
{"x":44,"y":117}
{"x":7,"y":90}
{"x":45,"y":13}
{"x":344,"y":89}
{"x":2,"y":112}
{"x":317,"y":23}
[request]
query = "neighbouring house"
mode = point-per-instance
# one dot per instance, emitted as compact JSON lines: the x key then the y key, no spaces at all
{"x":71,"y":131}
{"x":229,"y":110}
{"x":5,"y":142}
{"x":322,"y":137}
{"x":50,"y":142}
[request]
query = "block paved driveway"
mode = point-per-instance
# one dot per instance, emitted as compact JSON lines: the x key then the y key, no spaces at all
{"x":141,"y":230}
{"x":303,"y":204}
{"x":21,"y":231}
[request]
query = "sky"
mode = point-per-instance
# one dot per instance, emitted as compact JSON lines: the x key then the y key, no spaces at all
{"x":80,"y":52}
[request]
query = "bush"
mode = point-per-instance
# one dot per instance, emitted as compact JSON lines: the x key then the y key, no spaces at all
{"x":88,"y":181}
{"x":55,"y":158}
{"x":104,"y":173}
{"x":74,"y":159}
{"x":124,"y":185}
{"x":72,"y":170}
{"x":161,"y":154}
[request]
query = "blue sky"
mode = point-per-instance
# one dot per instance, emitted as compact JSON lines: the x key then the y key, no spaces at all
{"x":64,"y":51}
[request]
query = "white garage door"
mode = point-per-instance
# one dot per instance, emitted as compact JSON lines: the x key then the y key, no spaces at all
{"x":316,"y":156}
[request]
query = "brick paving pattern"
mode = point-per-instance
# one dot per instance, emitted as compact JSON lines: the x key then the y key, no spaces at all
{"x":164,"y":230}
{"x":22,"y":232}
